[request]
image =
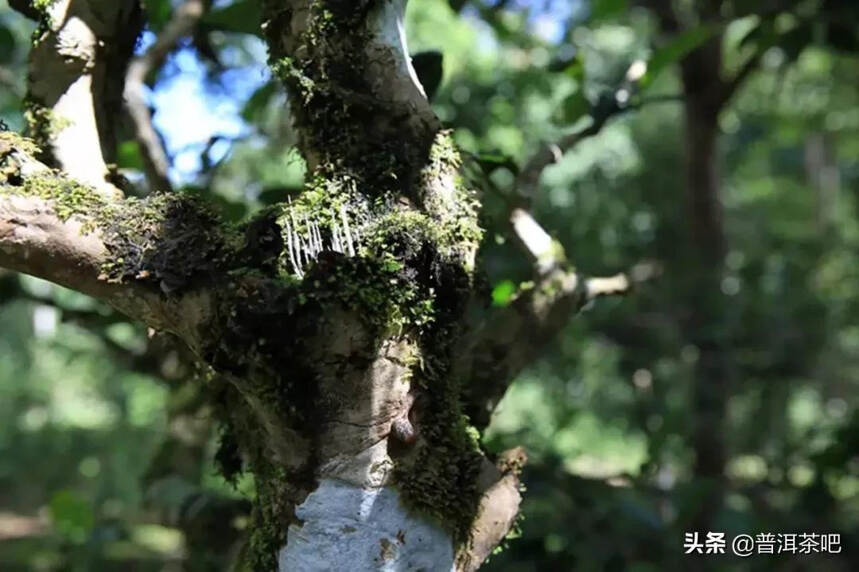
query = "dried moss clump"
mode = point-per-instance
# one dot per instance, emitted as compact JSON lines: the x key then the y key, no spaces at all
{"x":173,"y":240}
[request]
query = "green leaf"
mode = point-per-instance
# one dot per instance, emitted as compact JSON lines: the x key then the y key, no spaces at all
{"x":574,"y":107}
{"x":242,"y":17}
{"x":606,"y":9}
{"x":676,"y":50}
{"x":576,"y":69}
{"x":503,"y":293}
{"x":258,"y":102}
{"x":72,"y":515}
{"x":157,"y":13}
{"x":128,"y":156}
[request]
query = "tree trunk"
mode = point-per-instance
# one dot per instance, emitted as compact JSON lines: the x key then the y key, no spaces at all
{"x":344,"y":363}
{"x":706,"y":325}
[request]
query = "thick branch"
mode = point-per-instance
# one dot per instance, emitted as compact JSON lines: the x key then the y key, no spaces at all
{"x":355,"y":92}
{"x":34,"y":240}
{"x":498,"y":510}
{"x":74,"y":90}
{"x":512,"y":337}
{"x":55,"y":228}
{"x":156,"y":162}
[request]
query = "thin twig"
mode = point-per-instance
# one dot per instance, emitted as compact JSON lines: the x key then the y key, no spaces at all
{"x":622,"y":283}
{"x":155,"y":159}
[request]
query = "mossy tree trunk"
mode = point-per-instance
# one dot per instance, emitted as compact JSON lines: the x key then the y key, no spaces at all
{"x":344,"y":366}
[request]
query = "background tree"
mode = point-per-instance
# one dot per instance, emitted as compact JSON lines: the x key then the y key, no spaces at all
{"x":618,"y":410}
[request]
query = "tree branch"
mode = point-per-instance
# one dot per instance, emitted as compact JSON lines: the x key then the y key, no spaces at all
{"x":511,"y":337}
{"x":155,"y":159}
{"x":621,"y":283}
{"x":536,"y":242}
{"x":551,"y":153}
{"x":34,"y":240}
{"x":499,"y":508}
{"x":73,"y":93}
{"x":378,"y":95}
{"x":609,"y":107}
{"x":50,"y":227}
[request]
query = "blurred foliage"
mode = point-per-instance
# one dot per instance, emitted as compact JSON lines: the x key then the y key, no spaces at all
{"x":605,"y":413}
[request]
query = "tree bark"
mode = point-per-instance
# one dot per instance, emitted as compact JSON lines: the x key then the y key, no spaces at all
{"x":76,"y":77}
{"x":343,"y":362}
{"x":706,"y":328}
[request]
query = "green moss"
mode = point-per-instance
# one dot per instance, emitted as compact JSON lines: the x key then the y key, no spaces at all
{"x":10,"y":140}
{"x":170,"y":241}
{"x":447,"y":198}
{"x":43,"y":123}
{"x":268,"y":535}
{"x":173,"y":240}
{"x":41,"y":10}
{"x":69,"y":197}
{"x":12,"y":144}
{"x":341,"y":126}
{"x":409,"y":272}
{"x":42,"y":5}
{"x":408,"y":277}
{"x":440,"y":478}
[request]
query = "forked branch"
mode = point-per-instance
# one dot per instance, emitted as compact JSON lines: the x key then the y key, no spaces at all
{"x":511,"y":337}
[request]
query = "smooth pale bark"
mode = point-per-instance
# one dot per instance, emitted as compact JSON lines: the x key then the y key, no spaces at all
{"x":341,"y":521}
{"x":72,"y":87}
